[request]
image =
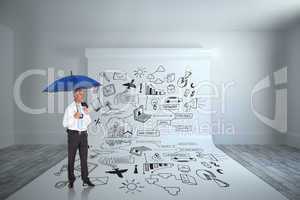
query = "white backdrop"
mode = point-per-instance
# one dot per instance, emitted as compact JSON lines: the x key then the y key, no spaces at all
{"x":178,"y":75}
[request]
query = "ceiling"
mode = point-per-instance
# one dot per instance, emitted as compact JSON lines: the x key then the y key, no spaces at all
{"x":151,"y":15}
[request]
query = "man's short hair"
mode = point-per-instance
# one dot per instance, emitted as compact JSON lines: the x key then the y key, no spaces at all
{"x":77,"y":90}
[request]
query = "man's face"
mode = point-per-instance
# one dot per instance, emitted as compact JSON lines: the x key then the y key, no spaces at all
{"x":79,"y":96}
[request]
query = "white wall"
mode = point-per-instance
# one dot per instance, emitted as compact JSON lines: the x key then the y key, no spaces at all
{"x":55,"y":35}
{"x":293,"y":60}
{"x":6,"y":80}
{"x":247,"y":58}
{"x":243,"y":57}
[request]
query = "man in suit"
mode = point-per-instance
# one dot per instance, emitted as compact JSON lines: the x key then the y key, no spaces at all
{"x":76,"y":120}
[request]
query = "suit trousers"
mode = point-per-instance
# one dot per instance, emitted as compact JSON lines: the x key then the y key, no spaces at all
{"x":77,"y":140}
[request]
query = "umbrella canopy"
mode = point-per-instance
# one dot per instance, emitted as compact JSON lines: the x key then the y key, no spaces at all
{"x":71,"y":83}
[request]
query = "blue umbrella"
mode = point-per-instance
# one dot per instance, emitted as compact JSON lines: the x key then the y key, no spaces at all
{"x":71,"y":83}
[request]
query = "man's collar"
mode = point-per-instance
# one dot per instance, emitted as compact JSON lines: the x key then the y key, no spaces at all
{"x":76,"y":103}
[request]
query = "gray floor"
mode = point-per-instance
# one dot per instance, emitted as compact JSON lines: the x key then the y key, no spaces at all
{"x":20,"y":164}
{"x":279,"y":166}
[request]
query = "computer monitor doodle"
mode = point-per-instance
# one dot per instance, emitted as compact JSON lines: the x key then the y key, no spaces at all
{"x":139,"y":114}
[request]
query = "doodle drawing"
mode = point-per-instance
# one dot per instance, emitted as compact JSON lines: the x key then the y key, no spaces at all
{"x":131,"y":186}
{"x":174,"y":191}
{"x":138,"y":151}
{"x":139,"y":114}
{"x":130,"y":84}
{"x":120,"y":76}
{"x":117,"y":171}
{"x":109,"y":90}
{"x":184,"y":168}
{"x":210,"y":176}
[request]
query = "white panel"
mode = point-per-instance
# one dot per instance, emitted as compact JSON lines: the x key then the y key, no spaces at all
{"x":169,"y":87}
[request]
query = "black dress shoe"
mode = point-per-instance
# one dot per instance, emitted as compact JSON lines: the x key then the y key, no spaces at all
{"x":71,"y":184}
{"x":88,"y":183}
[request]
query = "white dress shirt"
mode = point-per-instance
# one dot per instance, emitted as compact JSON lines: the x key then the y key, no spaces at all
{"x":70,"y":122}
